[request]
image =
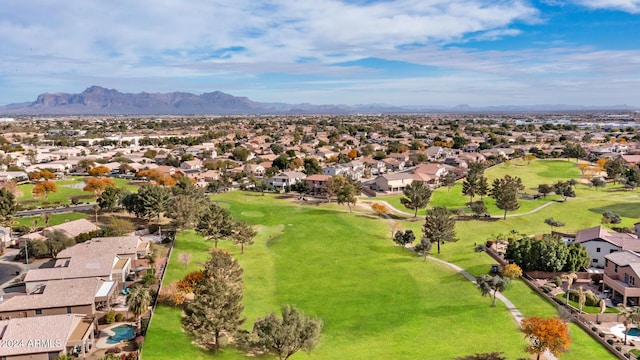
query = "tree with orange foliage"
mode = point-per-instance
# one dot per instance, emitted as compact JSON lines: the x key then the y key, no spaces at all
{"x":583,"y":168}
{"x":352,"y":154}
{"x":44,"y":189}
{"x":151,"y":174}
{"x":165,"y":180}
{"x":99,"y":171}
{"x":43,"y":174}
{"x":512,"y":271}
{"x":171,"y":295}
{"x":380,"y":209}
{"x":188,"y":282}
{"x":97,"y":185}
{"x":546,"y":334}
{"x":600,"y":164}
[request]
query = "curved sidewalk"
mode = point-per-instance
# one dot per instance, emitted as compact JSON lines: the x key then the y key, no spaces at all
{"x":517,"y":315}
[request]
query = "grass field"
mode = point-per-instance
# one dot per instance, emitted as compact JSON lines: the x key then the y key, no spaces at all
{"x":68,"y":189}
{"x":533,"y":174}
{"x":377,"y":300}
{"x":55,"y":219}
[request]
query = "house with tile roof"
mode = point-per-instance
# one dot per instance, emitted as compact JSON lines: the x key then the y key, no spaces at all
{"x":70,"y":296}
{"x":622,"y":277}
{"x":600,"y":242}
{"x":47,"y":337}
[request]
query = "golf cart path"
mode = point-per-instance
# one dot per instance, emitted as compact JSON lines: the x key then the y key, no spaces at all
{"x":515,"y":313}
{"x":368,"y":202}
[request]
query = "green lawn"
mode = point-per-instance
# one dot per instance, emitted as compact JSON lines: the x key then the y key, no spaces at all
{"x":532,"y":175}
{"x":378,"y":300}
{"x":55,"y":219}
{"x":67,"y":189}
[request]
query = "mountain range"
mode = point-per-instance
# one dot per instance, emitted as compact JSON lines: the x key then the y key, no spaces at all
{"x":97,"y":100}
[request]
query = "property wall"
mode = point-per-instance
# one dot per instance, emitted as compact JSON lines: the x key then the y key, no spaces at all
{"x":81,"y":309}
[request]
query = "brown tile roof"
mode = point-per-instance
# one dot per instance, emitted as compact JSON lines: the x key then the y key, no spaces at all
{"x":121,"y":245}
{"x":56,"y":293}
{"x":40,"y":334}
{"x":75,"y":267}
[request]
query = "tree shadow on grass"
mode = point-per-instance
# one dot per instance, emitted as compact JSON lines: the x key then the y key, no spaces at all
{"x":625,"y":209}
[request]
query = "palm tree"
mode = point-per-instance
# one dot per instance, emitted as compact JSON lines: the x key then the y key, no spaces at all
{"x":630,"y":317}
{"x":570,"y":279}
{"x":96,"y":210}
{"x":582,"y":298}
{"x":138,"y":301}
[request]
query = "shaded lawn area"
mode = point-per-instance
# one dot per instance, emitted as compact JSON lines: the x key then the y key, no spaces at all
{"x":377,"y":300}
{"x":56,"y":219}
{"x":67,"y":189}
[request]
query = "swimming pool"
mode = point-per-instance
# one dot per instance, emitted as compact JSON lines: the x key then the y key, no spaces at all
{"x":121,"y":332}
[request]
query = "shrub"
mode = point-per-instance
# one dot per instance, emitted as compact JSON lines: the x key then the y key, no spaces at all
{"x":119,"y":317}
{"x":596,"y":278}
{"x":149,"y":279}
{"x":609,"y":217}
{"x":610,"y":341}
{"x":601,"y":334}
{"x":110,"y":317}
{"x":618,"y":347}
{"x":489,"y":243}
{"x":594,"y":329}
{"x":627,"y":355}
{"x":546,"y":288}
{"x":557,"y":281}
{"x":114,"y":350}
{"x":153,"y":228}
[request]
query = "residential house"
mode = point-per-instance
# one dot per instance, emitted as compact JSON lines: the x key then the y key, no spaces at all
{"x":622,"y":277}
{"x":317,"y":183}
{"x":17,"y":176}
{"x":195,"y":164}
{"x":433,"y":171}
{"x":392,"y":182}
{"x":285,"y":179}
{"x":70,"y":296}
{"x":70,"y":229}
{"x":393,"y":164}
{"x":600,"y":242}
{"x":254,"y":169}
{"x":47,"y":337}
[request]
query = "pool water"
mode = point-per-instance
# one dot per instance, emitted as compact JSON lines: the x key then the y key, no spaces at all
{"x":633,"y":332}
{"x":122,"y":332}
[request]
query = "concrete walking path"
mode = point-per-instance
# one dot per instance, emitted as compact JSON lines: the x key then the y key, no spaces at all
{"x":515,"y":313}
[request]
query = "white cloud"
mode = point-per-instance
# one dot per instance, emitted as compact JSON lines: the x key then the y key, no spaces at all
{"x":630,"y":6}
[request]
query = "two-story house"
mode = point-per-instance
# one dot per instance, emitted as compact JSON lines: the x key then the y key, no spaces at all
{"x":600,"y":242}
{"x":622,"y":277}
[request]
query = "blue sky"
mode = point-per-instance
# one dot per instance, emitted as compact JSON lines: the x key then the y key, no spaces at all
{"x":397,"y":52}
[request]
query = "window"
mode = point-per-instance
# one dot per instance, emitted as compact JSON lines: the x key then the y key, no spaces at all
{"x":606,"y":262}
{"x":597,"y":249}
{"x":68,"y":309}
{"x":38,"y":311}
{"x":595,"y":261}
{"x":616,"y":270}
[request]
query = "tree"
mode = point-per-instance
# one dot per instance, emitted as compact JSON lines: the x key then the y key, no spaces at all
{"x":439,"y":226}
{"x":470,"y":187}
{"x":8,"y":205}
{"x":119,"y":226}
{"x":57,"y":241}
{"x":380,"y":209}
{"x":609,"y":217}
{"x":215,"y":223}
{"x":110,"y":198}
{"x":478,"y":208}
{"x":86,"y":164}
{"x":449,"y":180}
{"x":241,"y":154}
{"x":504,"y":191}
{"x":154,"y":200}
{"x":99,"y":171}
{"x":545,"y":189}
{"x":185,"y":210}
{"x":97,"y":185}
{"x":631,"y":317}
{"x":417,"y":195}
{"x":546,"y":334}
{"x":615,"y":168}
{"x":404,"y":238}
{"x":242,"y":234}
{"x":311,"y":166}
{"x":138,"y":301}
{"x":529,"y":158}
{"x":598,"y":182}
{"x":185,"y":258}
{"x":553,"y":223}
{"x":216,"y":307}
{"x":547,"y":254}
{"x":44,"y":189}
{"x":287,"y":335}
{"x":491,"y":284}
{"x":564,"y":189}
{"x":512,"y":271}
{"x":572,"y":150}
